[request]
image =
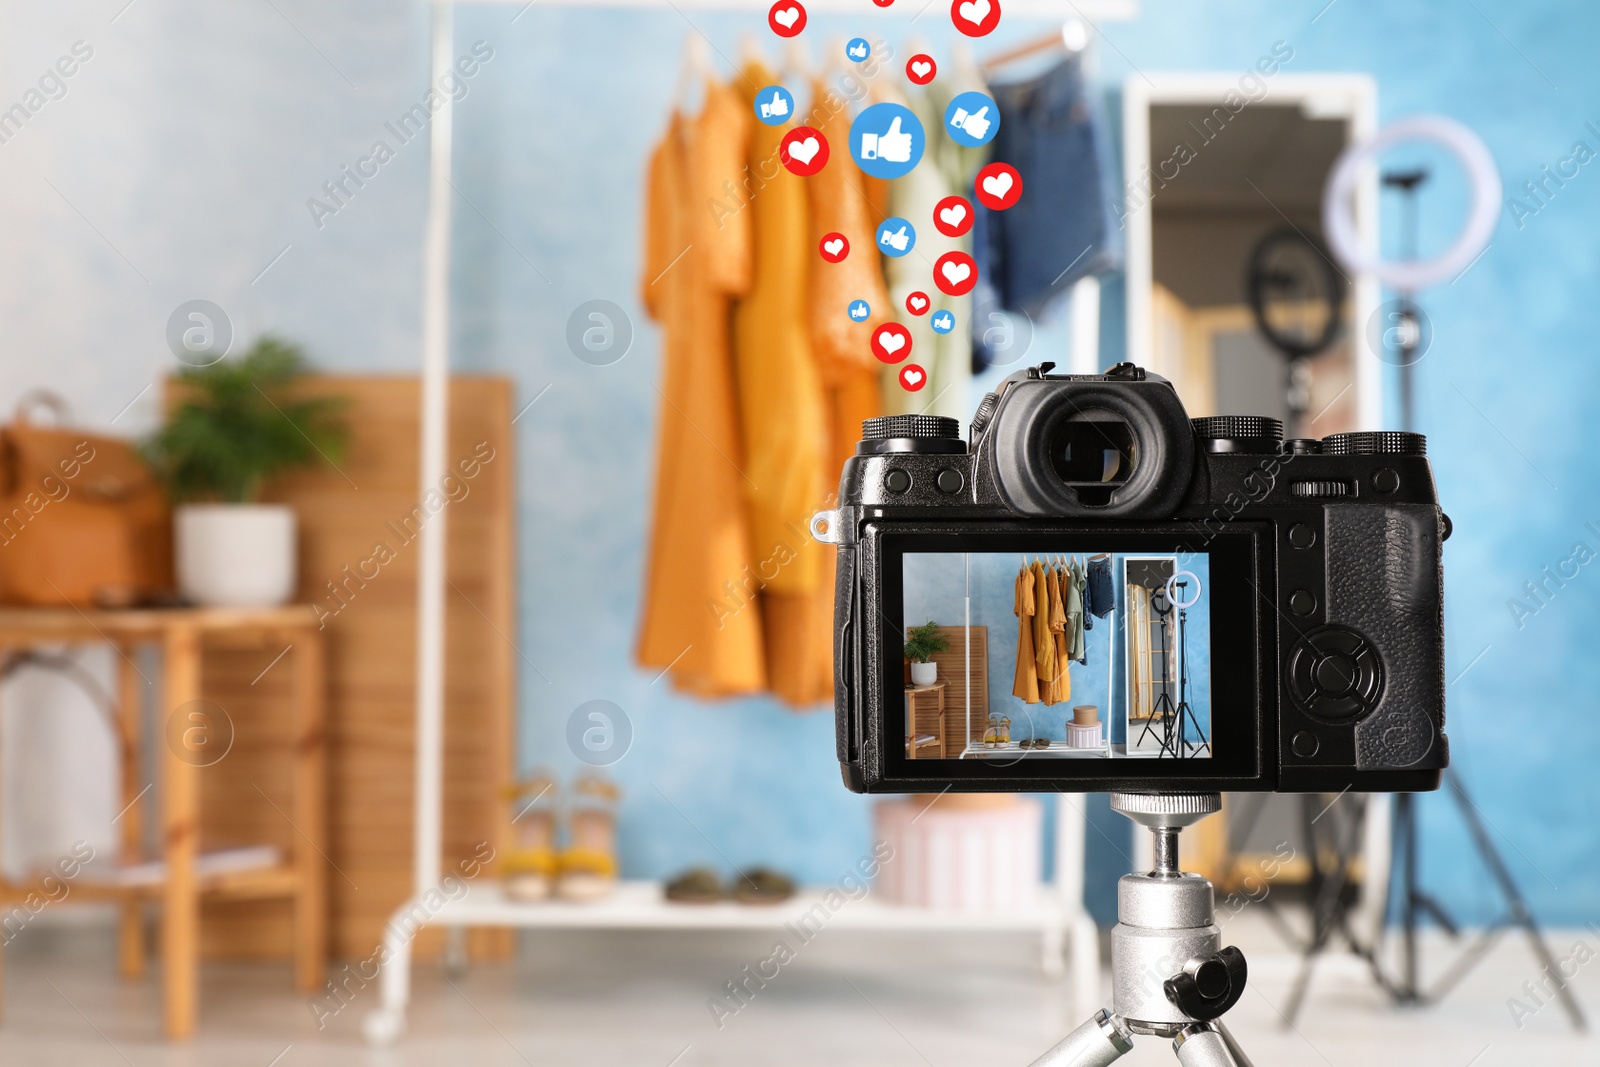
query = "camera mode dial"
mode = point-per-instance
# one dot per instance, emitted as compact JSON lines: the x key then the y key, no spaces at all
{"x":1239,"y":433}
{"x":1375,"y":443}
{"x":926,"y":434}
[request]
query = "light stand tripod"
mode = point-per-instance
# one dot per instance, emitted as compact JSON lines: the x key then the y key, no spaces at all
{"x":1414,"y":901}
{"x":1162,"y":711}
{"x":1185,"y":712}
{"x":1170,"y":977}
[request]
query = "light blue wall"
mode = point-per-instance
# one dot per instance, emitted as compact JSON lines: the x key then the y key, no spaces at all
{"x":182,"y":156}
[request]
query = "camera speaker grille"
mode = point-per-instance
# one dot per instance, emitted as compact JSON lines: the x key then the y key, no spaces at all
{"x":890,"y":426}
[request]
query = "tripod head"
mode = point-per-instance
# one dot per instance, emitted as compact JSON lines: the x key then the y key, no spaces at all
{"x":1170,"y":976}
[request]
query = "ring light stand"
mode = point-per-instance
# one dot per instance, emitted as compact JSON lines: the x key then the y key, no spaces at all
{"x":1406,"y":277}
{"x":1275,"y":275}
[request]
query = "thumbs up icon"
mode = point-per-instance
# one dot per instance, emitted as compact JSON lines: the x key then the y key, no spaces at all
{"x":891,"y":146}
{"x":778,"y":108}
{"x":858,"y":49}
{"x":973,"y":124}
{"x":897,"y":240}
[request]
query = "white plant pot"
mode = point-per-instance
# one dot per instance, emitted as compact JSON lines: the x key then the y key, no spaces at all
{"x":923,"y":674}
{"x":235,"y":555}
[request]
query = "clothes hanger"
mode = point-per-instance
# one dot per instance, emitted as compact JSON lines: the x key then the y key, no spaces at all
{"x":1072,"y":38}
{"x":696,"y":71}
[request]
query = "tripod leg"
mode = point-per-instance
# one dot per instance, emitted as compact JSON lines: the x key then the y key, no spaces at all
{"x":1203,"y":1045}
{"x":1233,"y":1046}
{"x":1520,"y":914}
{"x":1099,"y":1042}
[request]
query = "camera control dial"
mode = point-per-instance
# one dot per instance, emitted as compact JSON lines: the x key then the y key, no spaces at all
{"x":925,"y":434}
{"x":1335,"y":673}
{"x":1239,"y":433}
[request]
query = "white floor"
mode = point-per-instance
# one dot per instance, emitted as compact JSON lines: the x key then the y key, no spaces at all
{"x":641,"y":1000}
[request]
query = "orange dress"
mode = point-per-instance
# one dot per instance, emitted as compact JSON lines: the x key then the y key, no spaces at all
{"x":698,"y":620}
{"x":786,"y":422}
{"x":1026,"y":684}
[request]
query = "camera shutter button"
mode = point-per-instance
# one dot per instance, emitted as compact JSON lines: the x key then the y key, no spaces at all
{"x":897,"y":481}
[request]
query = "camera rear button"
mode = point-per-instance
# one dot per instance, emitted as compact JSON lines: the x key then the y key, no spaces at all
{"x":1305,"y":744}
{"x":1302,"y":602}
{"x":949,"y":480}
{"x":1385,"y":481}
{"x":1302,"y":536}
{"x":897,"y":481}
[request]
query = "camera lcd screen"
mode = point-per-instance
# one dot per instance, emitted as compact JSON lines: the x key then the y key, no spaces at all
{"x":1071,"y":656}
{"x":1057,"y":655}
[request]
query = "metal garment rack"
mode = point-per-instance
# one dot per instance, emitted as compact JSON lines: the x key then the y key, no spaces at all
{"x":477,"y":909}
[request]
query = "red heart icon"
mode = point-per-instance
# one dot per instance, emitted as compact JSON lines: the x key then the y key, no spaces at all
{"x":891,"y":342}
{"x":975,"y":18}
{"x":787,"y":18}
{"x":955,"y":273}
{"x":921,"y":68}
{"x":912,"y":377}
{"x":952,"y":216}
{"x":803,"y":151}
{"x":834,"y":247}
{"x":883,"y":3}
{"x":917,"y":302}
{"x":998,"y":186}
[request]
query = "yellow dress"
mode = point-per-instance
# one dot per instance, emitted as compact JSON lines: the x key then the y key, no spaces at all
{"x":785,"y":420}
{"x":1026,"y":684}
{"x":697,"y":621}
{"x":1044,"y":646}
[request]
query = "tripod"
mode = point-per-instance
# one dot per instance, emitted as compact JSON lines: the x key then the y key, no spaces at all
{"x":1185,"y":712}
{"x":1170,"y":976}
{"x":1161,"y":711}
{"x":1414,"y":901}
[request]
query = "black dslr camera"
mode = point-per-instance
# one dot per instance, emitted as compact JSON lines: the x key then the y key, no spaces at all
{"x":1098,"y":593}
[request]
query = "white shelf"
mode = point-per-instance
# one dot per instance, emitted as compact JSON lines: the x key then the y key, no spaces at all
{"x":637,"y":905}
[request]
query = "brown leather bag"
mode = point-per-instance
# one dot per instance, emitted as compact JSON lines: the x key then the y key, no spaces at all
{"x":82,"y":518}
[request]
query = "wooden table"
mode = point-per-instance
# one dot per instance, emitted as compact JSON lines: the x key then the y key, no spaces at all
{"x":181,"y":635}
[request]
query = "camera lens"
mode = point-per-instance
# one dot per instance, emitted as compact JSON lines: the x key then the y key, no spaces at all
{"x":1094,"y":457}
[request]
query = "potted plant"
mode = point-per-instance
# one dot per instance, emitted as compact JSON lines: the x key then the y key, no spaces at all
{"x":236,"y":425}
{"x":922,"y":644}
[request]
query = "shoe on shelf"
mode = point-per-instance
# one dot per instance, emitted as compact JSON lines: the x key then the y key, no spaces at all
{"x":697,"y":885}
{"x":762,"y":885}
{"x":528,"y":868}
{"x":588,"y":865}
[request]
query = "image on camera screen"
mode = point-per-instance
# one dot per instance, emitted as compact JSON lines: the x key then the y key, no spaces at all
{"x":1098,"y":655}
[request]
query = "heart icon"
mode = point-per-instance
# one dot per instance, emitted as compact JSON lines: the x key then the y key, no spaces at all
{"x":804,"y":151}
{"x":953,"y":215}
{"x":918,"y":303}
{"x":955,"y":273}
{"x":974,"y":11}
{"x":786,"y":18}
{"x":891,"y":343}
{"x":999,"y":186}
{"x":912,"y":377}
{"x":833,"y":247}
{"x":921,"y":68}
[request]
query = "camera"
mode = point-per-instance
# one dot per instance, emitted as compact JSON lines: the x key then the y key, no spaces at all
{"x":1096,"y":592}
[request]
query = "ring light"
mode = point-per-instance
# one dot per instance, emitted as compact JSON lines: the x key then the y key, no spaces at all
{"x":1408,"y":276}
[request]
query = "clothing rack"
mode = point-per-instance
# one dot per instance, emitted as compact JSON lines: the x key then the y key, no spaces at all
{"x":385,"y":1024}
